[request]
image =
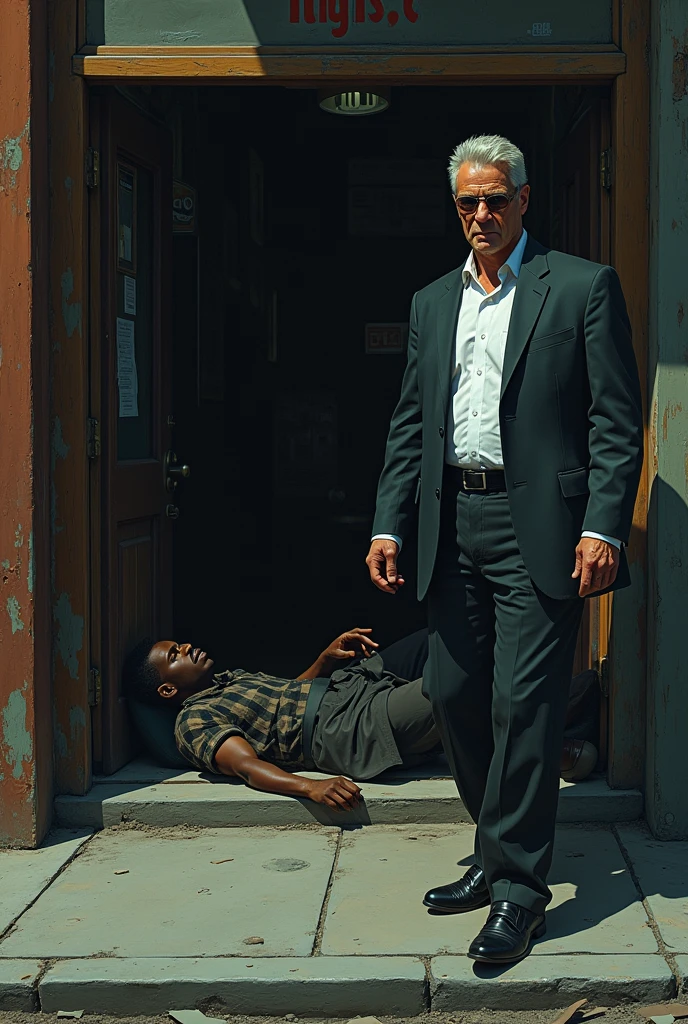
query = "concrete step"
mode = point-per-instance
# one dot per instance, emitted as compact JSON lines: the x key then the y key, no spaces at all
{"x":143,"y":793}
{"x":348,"y":985}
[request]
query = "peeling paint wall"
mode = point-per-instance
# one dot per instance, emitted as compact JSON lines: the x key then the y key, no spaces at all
{"x":666,"y":792}
{"x":25,"y":789}
{"x":17,"y":742}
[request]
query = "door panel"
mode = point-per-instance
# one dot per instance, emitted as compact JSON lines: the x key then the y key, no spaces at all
{"x":135,"y":402}
{"x":136,"y":576}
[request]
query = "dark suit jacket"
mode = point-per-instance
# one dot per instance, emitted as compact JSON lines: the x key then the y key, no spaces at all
{"x":570,"y":417}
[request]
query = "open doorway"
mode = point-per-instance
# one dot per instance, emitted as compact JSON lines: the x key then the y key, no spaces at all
{"x":290,"y":287}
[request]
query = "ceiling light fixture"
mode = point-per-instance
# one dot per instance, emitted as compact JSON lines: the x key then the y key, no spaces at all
{"x":354,"y":102}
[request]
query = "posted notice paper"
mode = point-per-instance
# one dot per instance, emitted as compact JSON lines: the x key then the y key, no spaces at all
{"x":130,"y":295}
{"x":127,"y":378}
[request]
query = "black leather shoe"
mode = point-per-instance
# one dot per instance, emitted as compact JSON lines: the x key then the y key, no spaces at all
{"x":508,"y":934}
{"x":469,"y":893}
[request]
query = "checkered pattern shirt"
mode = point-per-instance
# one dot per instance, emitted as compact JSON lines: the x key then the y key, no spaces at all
{"x":266,"y":711}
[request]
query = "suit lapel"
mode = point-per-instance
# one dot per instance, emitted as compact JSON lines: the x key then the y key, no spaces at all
{"x":447,"y":319}
{"x":529,"y":298}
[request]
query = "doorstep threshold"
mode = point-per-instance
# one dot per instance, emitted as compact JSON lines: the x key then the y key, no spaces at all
{"x":161,"y":797}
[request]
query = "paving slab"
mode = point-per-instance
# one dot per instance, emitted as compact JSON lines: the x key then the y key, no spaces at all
{"x":682,"y":965}
{"x":662,"y":871}
{"x":375,"y":903}
{"x":174,"y":901}
{"x":595,"y":905}
{"x":18,"y":984}
{"x":318,"y":986}
{"x":24,"y":874}
{"x":549,"y":982}
{"x":210,"y":802}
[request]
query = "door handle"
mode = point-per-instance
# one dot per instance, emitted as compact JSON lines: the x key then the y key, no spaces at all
{"x":173,"y":472}
{"x":172,"y":512}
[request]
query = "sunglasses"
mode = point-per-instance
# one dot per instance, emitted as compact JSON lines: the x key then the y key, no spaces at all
{"x":496,"y":202}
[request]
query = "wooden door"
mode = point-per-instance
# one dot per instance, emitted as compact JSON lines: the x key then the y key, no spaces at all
{"x":582,"y":227}
{"x":132,"y":506}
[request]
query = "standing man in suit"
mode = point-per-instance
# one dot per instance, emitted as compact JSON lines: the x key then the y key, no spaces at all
{"x":518,"y":438}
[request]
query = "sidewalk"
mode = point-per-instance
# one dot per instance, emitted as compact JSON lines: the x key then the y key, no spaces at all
{"x":317,"y":920}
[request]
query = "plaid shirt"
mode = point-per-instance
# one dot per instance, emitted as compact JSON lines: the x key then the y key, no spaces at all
{"x":266,"y":711}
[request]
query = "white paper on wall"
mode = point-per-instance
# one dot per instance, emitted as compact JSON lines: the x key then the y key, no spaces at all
{"x":130,"y":295}
{"x":127,"y":377}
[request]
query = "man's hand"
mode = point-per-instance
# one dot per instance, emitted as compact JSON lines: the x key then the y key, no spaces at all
{"x":349,"y":645}
{"x":597,"y":564}
{"x":346,"y":646}
{"x":340,"y":794}
{"x":382,"y":566}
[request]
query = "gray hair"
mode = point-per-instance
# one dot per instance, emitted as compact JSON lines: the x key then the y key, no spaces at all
{"x":488,"y":151}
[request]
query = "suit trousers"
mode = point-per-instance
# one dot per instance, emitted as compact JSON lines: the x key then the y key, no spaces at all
{"x":498,"y":673}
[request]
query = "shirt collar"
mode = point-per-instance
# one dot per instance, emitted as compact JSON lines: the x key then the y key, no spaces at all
{"x":513,"y":263}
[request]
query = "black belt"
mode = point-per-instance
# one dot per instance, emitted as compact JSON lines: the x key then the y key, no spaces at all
{"x":476,"y":481}
{"x":316,"y":693}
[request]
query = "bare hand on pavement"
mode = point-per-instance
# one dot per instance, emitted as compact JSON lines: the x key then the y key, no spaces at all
{"x":340,"y":794}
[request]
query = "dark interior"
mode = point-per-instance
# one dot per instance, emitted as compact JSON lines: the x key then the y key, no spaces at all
{"x":279,"y":411}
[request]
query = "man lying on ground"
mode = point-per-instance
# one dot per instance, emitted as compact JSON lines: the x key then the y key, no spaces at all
{"x":355,"y":712}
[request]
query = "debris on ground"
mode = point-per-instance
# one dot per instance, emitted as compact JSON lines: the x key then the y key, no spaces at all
{"x":122,"y":871}
{"x":675,"y":1010}
{"x":74,"y":1014}
{"x":366,"y":1020}
{"x":225,"y":860}
{"x":254,"y":940}
{"x":194,"y":1017}
{"x":570,"y":1012}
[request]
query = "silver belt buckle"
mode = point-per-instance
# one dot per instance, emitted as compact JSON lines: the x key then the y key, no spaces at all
{"x":473,"y":472}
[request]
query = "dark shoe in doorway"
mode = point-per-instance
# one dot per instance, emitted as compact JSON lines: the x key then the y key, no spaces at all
{"x":578,"y":760}
{"x":469,"y":893}
{"x":508,"y":934}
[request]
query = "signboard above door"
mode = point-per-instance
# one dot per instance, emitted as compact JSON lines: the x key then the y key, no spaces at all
{"x":320,"y":23}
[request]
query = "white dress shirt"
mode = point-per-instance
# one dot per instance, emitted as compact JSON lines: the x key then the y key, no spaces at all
{"x":473,"y":439}
{"x":472,"y":436}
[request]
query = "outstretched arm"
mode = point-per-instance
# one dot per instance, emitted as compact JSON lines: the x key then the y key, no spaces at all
{"x":237,"y":757}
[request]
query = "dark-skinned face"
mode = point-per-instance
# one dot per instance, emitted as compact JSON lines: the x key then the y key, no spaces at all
{"x":183,"y":669}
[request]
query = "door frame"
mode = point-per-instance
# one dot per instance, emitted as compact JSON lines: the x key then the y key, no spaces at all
{"x":623,"y":65}
{"x":107,"y":116}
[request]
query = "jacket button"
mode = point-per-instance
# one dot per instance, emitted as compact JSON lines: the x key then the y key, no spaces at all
{"x":437,"y":492}
{"x":441,"y":431}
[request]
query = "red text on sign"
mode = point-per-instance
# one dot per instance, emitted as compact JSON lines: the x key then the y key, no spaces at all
{"x":343,"y":13}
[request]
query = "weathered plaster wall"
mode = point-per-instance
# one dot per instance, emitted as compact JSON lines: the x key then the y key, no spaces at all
{"x":25,"y":720}
{"x":666,"y":791}
{"x":69,"y":409}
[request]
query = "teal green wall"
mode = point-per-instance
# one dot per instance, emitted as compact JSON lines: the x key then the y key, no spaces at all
{"x":667,"y":718}
{"x":349,"y":22}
